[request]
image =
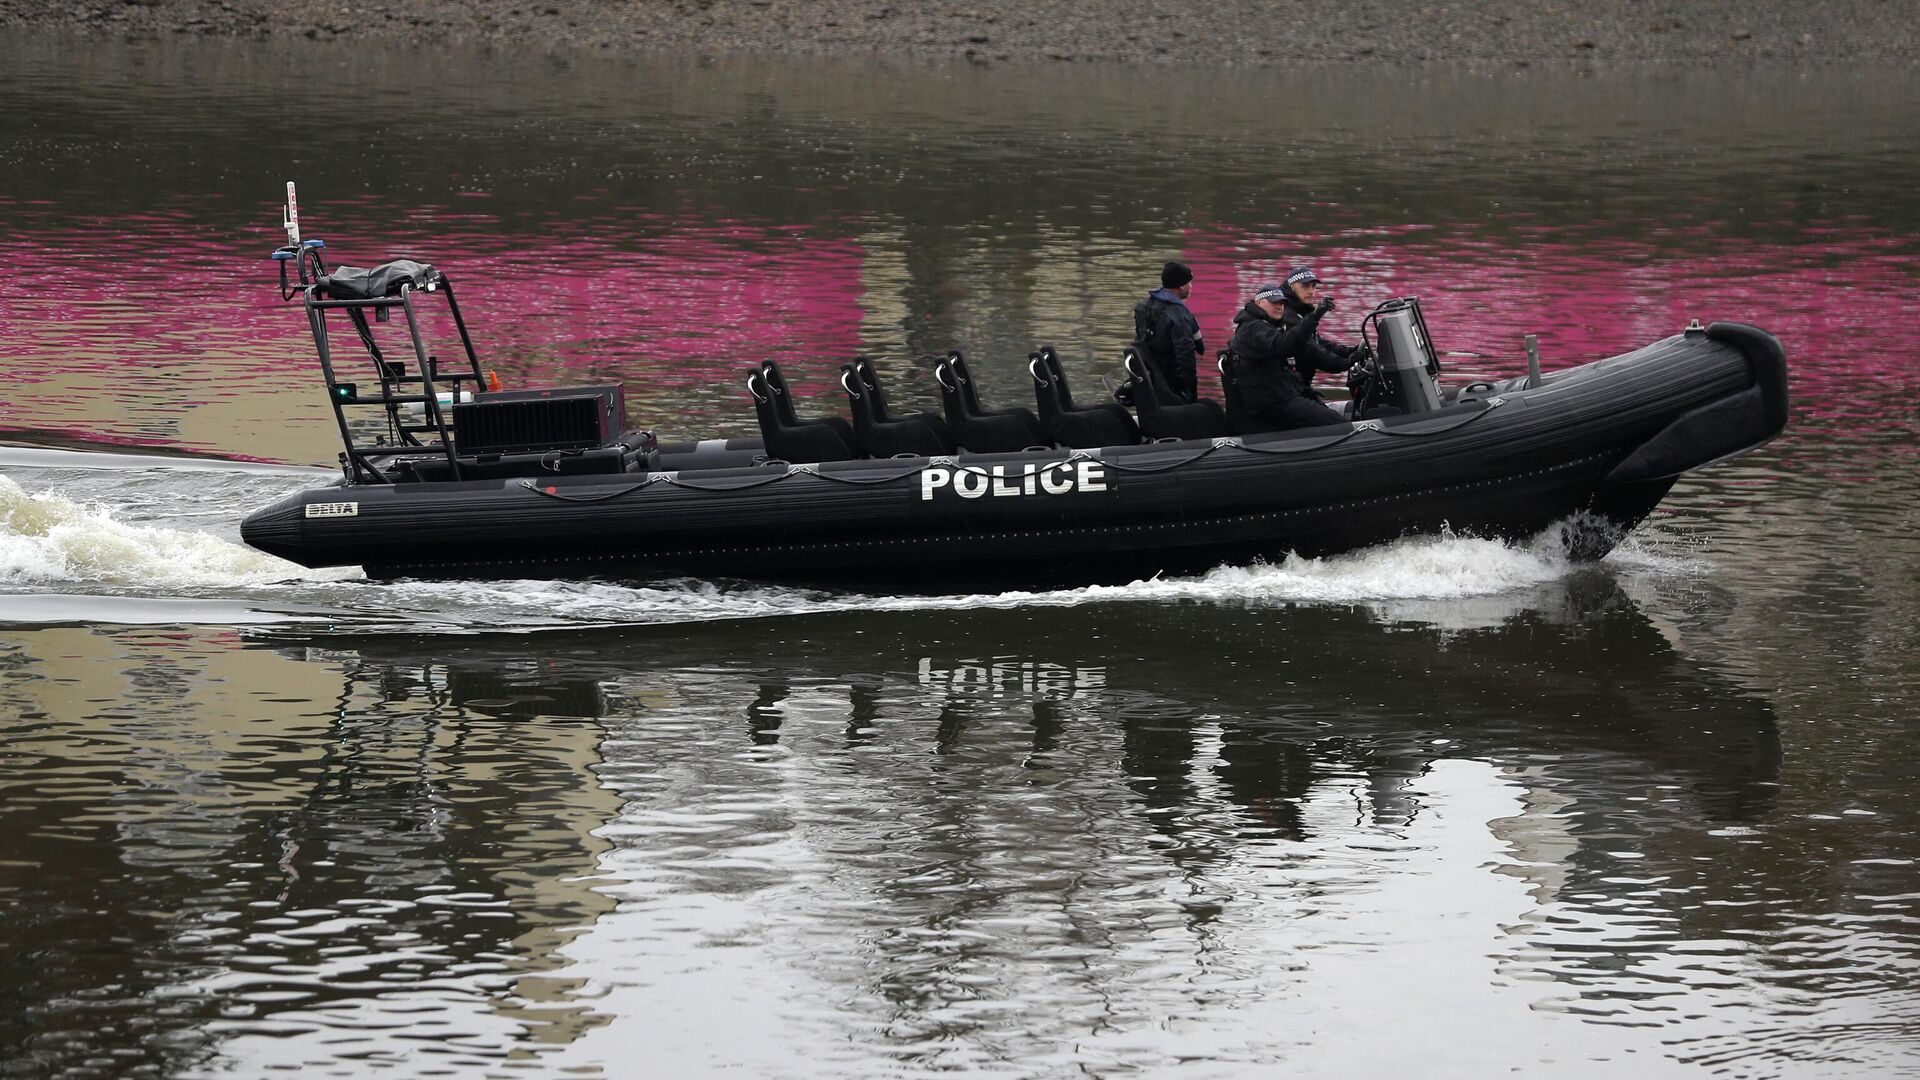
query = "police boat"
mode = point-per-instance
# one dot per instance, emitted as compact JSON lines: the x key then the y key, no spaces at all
{"x":444,"y":474}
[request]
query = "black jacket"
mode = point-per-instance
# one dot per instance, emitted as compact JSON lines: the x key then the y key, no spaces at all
{"x":1313,"y":353}
{"x":1263,"y":351}
{"x":1168,"y":336}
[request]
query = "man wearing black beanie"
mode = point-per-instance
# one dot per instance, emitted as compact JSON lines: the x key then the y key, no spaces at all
{"x":1167,"y":333}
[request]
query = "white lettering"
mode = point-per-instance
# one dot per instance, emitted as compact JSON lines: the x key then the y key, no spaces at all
{"x":1052,"y":478}
{"x":971,"y":483}
{"x":333,"y":509}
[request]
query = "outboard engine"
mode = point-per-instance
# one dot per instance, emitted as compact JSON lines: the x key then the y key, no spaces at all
{"x":1405,"y":367}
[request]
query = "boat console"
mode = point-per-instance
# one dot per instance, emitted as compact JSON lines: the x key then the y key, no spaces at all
{"x":1398,"y":375}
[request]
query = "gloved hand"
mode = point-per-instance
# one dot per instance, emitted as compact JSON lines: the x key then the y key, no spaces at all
{"x":1323,"y":307}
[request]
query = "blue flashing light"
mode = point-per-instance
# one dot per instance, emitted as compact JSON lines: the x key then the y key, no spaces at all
{"x":283,"y":255}
{"x":315,"y":244}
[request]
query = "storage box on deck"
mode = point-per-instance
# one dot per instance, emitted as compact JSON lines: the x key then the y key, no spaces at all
{"x":554,"y":418}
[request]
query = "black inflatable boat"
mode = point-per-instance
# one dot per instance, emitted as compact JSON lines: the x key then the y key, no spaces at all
{"x":444,"y":475}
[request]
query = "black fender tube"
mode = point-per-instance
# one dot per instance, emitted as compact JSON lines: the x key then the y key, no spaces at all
{"x":1723,"y":428}
{"x":1767,"y":358}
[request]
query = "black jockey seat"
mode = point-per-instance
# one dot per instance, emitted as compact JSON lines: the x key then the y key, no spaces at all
{"x":878,"y":438}
{"x":993,"y":433}
{"x":799,"y":443}
{"x":970,"y":393}
{"x":1067,"y":424}
{"x":877,"y":397}
{"x":1161,"y":417}
{"x":783,"y":403}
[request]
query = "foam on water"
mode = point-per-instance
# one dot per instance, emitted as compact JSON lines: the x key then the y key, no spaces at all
{"x":1416,"y":568}
{"x":46,"y":539}
{"x":1429,"y":569}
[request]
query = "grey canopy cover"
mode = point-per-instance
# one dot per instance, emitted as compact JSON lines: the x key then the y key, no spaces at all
{"x":353,"y":283}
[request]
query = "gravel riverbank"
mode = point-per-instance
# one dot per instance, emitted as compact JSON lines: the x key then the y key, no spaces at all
{"x":1473,"y":33}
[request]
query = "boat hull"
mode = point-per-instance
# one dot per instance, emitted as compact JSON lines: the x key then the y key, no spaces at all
{"x":1596,"y":446}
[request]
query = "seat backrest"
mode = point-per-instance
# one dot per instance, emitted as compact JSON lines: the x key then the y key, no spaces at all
{"x":957,"y":364}
{"x":953,"y":397}
{"x":1046,"y":390}
{"x":764,"y":409}
{"x":776,"y":384}
{"x":875,"y":395}
{"x":859,"y":399}
{"x":1051,"y":358}
{"x":1146,"y":392}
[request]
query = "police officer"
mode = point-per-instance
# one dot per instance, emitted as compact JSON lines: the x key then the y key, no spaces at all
{"x":1276,"y":348}
{"x":1314,"y":352}
{"x":1167,"y":333}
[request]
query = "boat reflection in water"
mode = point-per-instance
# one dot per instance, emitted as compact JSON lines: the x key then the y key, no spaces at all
{"x":1568,"y":668}
{"x":930,"y":836}
{"x":900,"y":817}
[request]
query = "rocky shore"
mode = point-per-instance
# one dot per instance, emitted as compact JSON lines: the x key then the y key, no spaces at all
{"x":1473,"y":33}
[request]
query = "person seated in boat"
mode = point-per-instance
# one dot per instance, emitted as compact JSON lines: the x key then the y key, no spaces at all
{"x":1316,"y":353}
{"x":1167,"y":333}
{"x":1276,"y":349}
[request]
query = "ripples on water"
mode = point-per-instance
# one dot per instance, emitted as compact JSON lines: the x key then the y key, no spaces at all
{"x":1443,"y":808}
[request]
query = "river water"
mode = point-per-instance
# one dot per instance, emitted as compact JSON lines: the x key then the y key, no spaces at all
{"x":1445,"y":808}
